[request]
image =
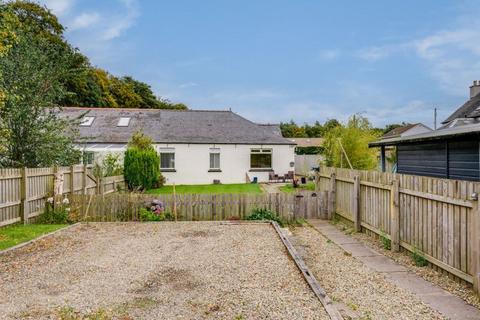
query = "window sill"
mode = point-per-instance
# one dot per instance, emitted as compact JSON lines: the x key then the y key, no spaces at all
{"x":214,"y":170}
{"x":261,"y":170}
{"x":167,"y":170}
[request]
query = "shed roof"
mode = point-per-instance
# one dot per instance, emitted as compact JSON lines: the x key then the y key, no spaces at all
{"x":173,"y":126}
{"x":469,"y":129}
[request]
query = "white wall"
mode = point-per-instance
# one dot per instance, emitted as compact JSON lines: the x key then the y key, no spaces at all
{"x":305,"y":162}
{"x":192,"y":163}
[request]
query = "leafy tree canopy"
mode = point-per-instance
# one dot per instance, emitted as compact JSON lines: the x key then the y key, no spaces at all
{"x":349,"y":143}
{"x":88,"y":86}
{"x":31,"y":75}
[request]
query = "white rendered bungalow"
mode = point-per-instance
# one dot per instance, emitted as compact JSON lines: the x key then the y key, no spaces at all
{"x":195,"y":146}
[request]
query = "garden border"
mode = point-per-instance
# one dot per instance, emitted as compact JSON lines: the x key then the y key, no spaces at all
{"x":23,"y":244}
{"x":327,"y":303}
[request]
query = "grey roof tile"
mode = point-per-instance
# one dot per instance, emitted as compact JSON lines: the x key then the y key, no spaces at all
{"x":174,"y":126}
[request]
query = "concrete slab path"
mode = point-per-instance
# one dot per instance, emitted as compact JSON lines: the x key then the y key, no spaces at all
{"x":438,"y":299}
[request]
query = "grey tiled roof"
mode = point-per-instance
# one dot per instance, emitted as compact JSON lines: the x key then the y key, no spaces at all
{"x":468,"y":110}
{"x":174,"y":126}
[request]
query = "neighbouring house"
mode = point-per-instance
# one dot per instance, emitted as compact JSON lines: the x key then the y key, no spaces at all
{"x":307,"y":154}
{"x":195,"y":146}
{"x":452,"y":151}
{"x":403,"y":131}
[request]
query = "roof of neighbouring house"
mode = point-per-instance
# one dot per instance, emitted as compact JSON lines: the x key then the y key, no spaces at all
{"x":401,"y":131}
{"x":173,"y":126}
{"x":470,"y":109}
{"x":307,"y":142}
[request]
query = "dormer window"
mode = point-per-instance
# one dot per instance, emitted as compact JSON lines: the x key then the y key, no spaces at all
{"x":123,"y":122}
{"x":87,"y":121}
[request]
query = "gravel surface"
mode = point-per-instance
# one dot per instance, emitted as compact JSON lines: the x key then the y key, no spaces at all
{"x":461,"y":290}
{"x":185,"y":270}
{"x":362,"y":292}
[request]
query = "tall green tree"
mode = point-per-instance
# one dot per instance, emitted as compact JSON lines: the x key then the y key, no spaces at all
{"x":88,"y":86}
{"x":349,"y":143}
{"x":32,"y":75}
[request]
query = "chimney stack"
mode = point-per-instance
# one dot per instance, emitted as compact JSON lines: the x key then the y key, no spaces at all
{"x":475,"y":88}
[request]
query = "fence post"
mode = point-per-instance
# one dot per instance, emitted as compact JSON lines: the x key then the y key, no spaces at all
{"x":317,"y":181}
{"x":24,"y":196}
{"x":84,"y":180}
{"x":72,"y":180}
{"x":100,"y":185}
{"x":296,"y":205}
{"x":214,"y":207}
{"x":332,"y":197}
{"x":356,"y":204}
{"x":395,"y":216}
{"x":475,"y":227}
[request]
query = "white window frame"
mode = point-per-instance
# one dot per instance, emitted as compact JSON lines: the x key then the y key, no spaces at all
{"x":167,"y":151}
{"x":124,"y":122}
{"x":87,"y":121}
{"x":214,"y":151}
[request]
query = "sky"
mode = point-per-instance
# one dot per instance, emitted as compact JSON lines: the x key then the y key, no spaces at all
{"x":279,"y":60}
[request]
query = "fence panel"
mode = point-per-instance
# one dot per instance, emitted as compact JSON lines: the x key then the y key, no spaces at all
{"x":435,"y":215}
{"x":23,"y":191}
{"x":195,"y":207}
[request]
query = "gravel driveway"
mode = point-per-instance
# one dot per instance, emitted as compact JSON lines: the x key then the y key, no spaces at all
{"x":361,"y":292}
{"x":185,"y":270}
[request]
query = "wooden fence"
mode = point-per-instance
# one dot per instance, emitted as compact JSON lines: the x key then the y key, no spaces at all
{"x":23,"y":191}
{"x":439,"y":218}
{"x":197,"y":207}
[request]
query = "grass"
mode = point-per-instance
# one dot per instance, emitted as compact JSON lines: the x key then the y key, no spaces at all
{"x":19,"y":233}
{"x":209,"y":188}
{"x":289,"y":187}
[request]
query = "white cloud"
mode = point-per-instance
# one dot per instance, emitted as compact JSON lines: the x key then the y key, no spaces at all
{"x":84,"y":20}
{"x":59,"y":7}
{"x":374,"y":53}
{"x":452,"y":56}
{"x":118,"y":24}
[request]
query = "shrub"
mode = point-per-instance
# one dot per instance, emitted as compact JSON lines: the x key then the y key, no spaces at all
{"x":141,"y":164}
{"x":111,"y":165}
{"x":419,"y":258}
{"x":55,"y":214}
{"x":265,"y":214}
{"x":386,"y":243}
{"x":148,"y":215}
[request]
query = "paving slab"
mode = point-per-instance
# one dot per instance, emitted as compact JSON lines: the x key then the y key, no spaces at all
{"x":438,"y":299}
{"x":358,"y":250}
{"x":413,"y":283}
{"x":342,"y":239}
{"x":382,"y":264}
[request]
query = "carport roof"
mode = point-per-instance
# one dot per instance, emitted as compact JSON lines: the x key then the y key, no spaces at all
{"x":468,"y":129}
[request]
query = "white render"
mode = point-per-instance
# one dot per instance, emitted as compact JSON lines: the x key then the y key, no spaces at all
{"x":192,"y":161}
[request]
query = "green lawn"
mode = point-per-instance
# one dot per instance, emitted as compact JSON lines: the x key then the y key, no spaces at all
{"x":310,"y":186}
{"x":209,"y":188}
{"x":18,"y":233}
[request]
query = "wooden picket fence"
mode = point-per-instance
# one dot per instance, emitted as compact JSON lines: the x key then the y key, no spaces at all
{"x":197,"y":207}
{"x":23,"y":191}
{"x":437,"y":218}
